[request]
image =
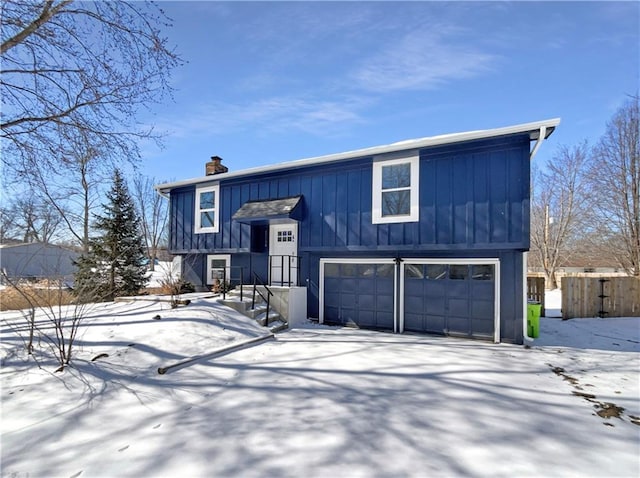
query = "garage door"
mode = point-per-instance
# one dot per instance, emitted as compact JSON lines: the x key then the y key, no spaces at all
{"x":359,"y":294}
{"x":456,"y":298}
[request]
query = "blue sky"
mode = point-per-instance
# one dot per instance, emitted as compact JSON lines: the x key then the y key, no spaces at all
{"x":268,"y":82}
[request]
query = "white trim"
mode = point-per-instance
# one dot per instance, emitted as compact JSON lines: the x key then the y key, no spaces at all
{"x":343,"y":260}
{"x":377,"y":191}
{"x":475,"y":261}
{"x":525,"y":301}
{"x":198,"y":228}
{"x":398,"y":319}
{"x":496,"y":304}
{"x":533,"y":129}
{"x":227,"y":261}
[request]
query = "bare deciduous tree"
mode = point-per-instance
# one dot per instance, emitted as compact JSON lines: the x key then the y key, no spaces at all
{"x":557,"y":208}
{"x":41,"y":223}
{"x":32,"y":219}
{"x":153,"y":210}
{"x":73,"y":189}
{"x":7,"y":222}
{"x":614,"y":176}
{"x":69,"y":67}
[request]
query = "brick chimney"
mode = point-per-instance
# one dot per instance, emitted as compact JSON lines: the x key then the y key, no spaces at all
{"x":215,"y":166}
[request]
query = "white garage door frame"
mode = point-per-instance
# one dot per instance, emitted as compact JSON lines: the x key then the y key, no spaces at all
{"x":343,"y":260}
{"x":464,"y":261}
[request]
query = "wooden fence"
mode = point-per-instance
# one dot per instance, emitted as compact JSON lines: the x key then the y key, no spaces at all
{"x":600,"y":297}
{"x":535,"y":291}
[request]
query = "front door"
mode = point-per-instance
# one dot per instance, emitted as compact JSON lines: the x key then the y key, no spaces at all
{"x":283,"y":254}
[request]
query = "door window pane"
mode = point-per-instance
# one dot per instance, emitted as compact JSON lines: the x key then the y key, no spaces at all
{"x":482,"y":272}
{"x":349,"y":270}
{"x":332,"y":270}
{"x":458,"y":272}
{"x":413,"y":271}
{"x":436,"y":271}
{"x":385,"y":270}
{"x":285,"y":236}
{"x":366,"y":271}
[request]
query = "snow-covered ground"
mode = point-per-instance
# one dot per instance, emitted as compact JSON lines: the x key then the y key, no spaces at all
{"x":319,"y":401}
{"x":164,"y":272}
{"x":553,"y":303}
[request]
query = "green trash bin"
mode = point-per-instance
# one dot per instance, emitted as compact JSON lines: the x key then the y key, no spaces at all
{"x":533,"y":319}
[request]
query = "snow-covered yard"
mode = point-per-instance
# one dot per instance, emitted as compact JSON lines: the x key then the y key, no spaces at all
{"x":320,"y":401}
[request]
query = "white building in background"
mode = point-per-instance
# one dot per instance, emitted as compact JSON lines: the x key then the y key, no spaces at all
{"x":36,"y":260}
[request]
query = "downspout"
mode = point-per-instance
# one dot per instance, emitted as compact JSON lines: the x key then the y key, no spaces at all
{"x":525,"y":310}
{"x":398,"y":327}
{"x":536,"y":147}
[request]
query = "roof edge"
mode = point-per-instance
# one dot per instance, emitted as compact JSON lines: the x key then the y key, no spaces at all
{"x":532,"y":128}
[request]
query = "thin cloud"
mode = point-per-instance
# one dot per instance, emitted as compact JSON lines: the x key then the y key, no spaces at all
{"x":271,"y":115}
{"x":421,"y":61}
{"x":322,"y":118}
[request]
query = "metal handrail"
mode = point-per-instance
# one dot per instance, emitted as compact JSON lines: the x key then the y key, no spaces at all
{"x":224,"y":280}
{"x":290,"y":259}
{"x":258,"y":281}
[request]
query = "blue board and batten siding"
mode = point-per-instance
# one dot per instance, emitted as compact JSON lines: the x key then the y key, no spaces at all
{"x":473,"y":197}
{"x":474,"y":202}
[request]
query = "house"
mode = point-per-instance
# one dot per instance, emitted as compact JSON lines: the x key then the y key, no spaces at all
{"x":427,"y":235}
{"x":36,"y":260}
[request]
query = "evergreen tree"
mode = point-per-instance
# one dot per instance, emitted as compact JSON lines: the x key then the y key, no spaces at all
{"x":114,"y":265}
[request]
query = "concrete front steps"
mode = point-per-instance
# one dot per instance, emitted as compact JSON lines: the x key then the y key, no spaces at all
{"x":259,"y":313}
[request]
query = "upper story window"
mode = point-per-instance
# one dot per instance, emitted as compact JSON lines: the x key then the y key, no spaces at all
{"x":395,"y":190}
{"x":207,"y":209}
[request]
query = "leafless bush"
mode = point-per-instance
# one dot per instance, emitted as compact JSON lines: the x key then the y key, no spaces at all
{"x":172,"y":284}
{"x":52,"y":324}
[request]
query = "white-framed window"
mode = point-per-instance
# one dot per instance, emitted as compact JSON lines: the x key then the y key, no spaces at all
{"x":207,"y":209}
{"x":395,"y":190}
{"x":217,"y":265}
